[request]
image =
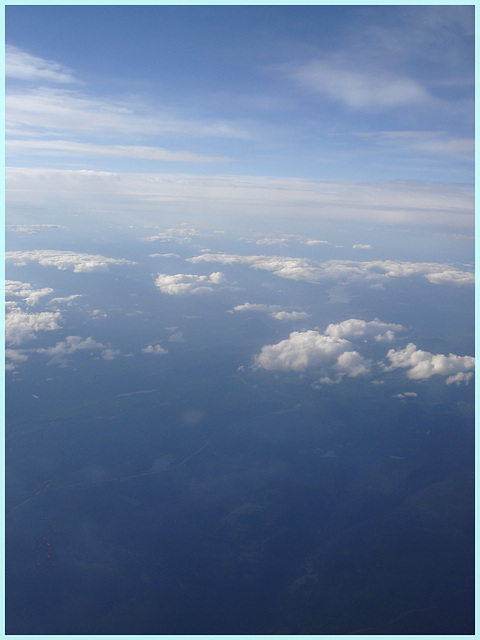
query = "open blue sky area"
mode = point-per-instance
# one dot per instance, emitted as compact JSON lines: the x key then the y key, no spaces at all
{"x":244,"y":109}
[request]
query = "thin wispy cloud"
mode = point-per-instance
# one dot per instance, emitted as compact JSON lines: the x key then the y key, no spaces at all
{"x":21,"y":65}
{"x":68,"y":148}
{"x":359,"y":89}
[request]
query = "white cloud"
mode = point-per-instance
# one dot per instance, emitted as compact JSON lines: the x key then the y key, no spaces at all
{"x":25,"y":291}
{"x":163,"y":255}
{"x":451,"y":276}
{"x":181,"y":235}
{"x":362,"y":246}
{"x":290,"y":315}
{"x":273,"y":310}
{"x":24,"y":66}
{"x":13,"y":357}
{"x":182,"y":283}
{"x":63,"y":260}
{"x":155,"y":350}
{"x":352,"y":364}
{"x":177,"y":337}
{"x":70,"y":345}
{"x":407,"y":394}
{"x":290,"y":268}
{"x":361,"y":89}
{"x":253,"y":306}
{"x":65,"y":300}
{"x":64,"y":111}
{"x":21,"y":327}
{"x":354,"y":328}
{"x":301,"y":351}
{"x":422,"y":365}
{"x":350,"y":270}
{"x":68,"y":147}
{"x":406,"y":203}
{"x":31,"y":229}
{"x":110,"y":354}
{"x":436,"y":144}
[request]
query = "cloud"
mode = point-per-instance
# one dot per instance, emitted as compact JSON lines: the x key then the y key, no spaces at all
{"x":362,"y":246}
{"x":69,"y":147}
{"x":352,"y":364}
{"x":422,"y":365}
{"x":405,"y":203}
{"x":64,"y":111}
{"x":373,"y":270}
{"x":290,"y":268}
{"x":155,"y":350}
{"x":301,"y":351}
{"x":182,"y":235}
{"x":436,"y":144}
{"x":110,"y":354}
{"x":290,"y":315}
{"x":63,"y":260}
{"x":182,"y":283}
{"x":24,"y":66}
{"x":313,"y":350}
{"x":354,"y":328}
{"x":407,"y":394}
{"x":58,"y":354}
{"x":360,"y":89}
{"x":21,"y":327}
{"x":65,"y":300}
{"x":177,"y":337}
{"x":273,"y":310}
{"x":13,"y":357}
{"x":25,"y":291}
{"x":31,"y":229}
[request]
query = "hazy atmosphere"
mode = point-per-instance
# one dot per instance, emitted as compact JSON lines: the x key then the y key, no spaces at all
{"x":239,"y":320}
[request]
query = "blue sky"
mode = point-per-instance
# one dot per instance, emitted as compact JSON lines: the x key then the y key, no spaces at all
{"x":361,"y":113}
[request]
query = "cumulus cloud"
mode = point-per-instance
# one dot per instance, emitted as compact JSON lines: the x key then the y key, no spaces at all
{"x":354,"y":328}
{"x":24,"y":290}
{"x":284,"y":267}
{"x":21,"y":326}
{"x":331,"y":352}
{"x":352,"y":364}
{"x":301,"y":351}
{"x":181,"y":235}
{"x":155,"y":350}
{"x":422,"y":365}
{"x":362,"y":246}
{"x":183,"y":283}
{"x":273,"y":310}
{"x":346,"y":270}
{"x":313,"y":350}
{"x":407,"y":394}
{"x":63,"y":260}
{"x":290,"y":315}
{"x":13,"y":357}
{"x":58,"y":354}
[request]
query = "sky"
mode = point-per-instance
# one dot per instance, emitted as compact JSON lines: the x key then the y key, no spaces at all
{"x":240,"y":328}
{"x":358,"y":114}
